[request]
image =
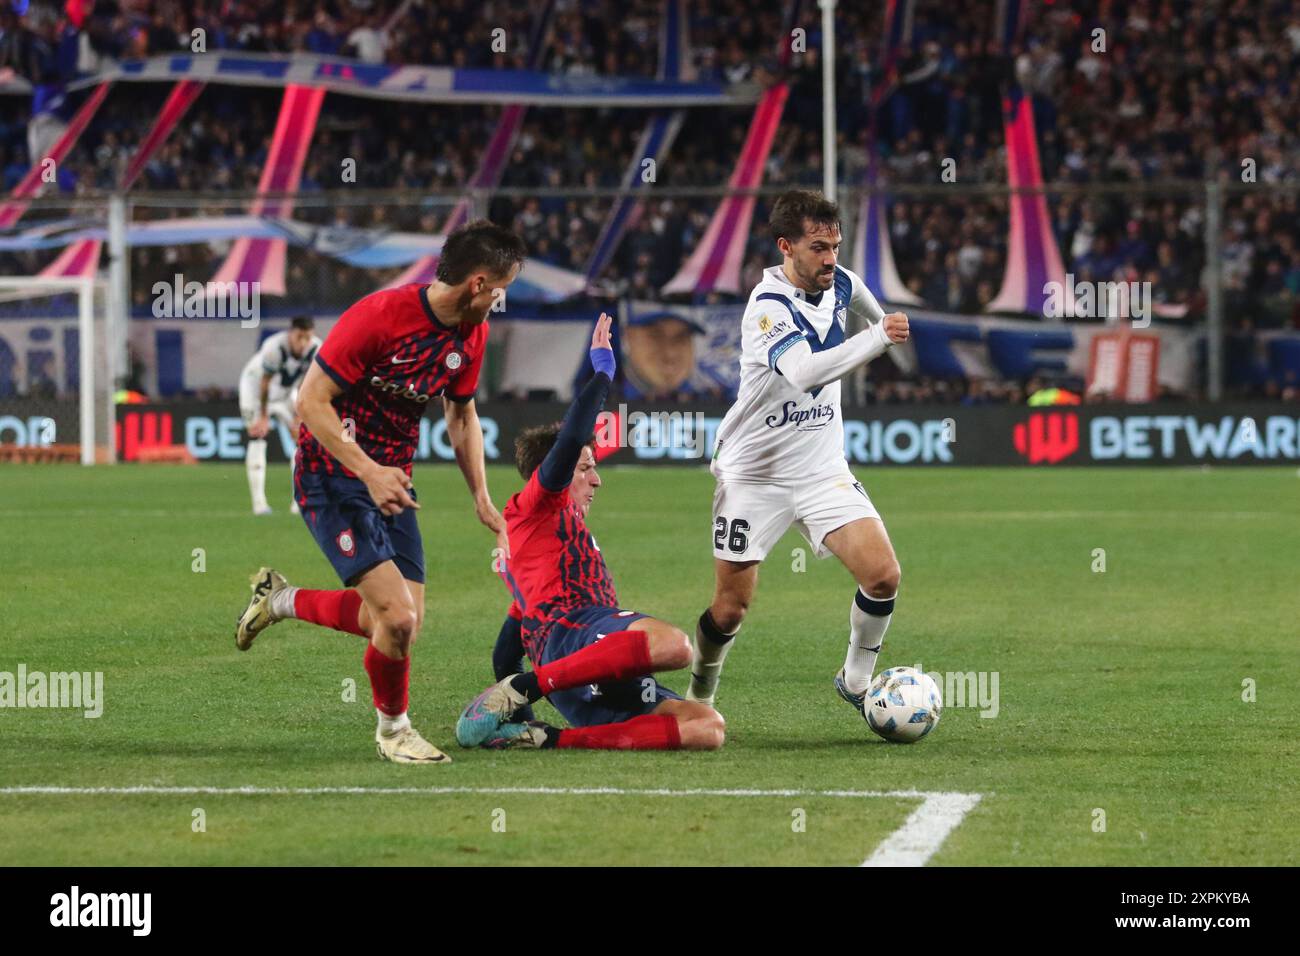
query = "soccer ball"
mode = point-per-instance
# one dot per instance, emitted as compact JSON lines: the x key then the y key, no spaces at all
{"x":903,"y":704}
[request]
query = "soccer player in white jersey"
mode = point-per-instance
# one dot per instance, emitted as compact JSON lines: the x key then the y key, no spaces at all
{"x":268,"y":387}
{"x":779,"y":459}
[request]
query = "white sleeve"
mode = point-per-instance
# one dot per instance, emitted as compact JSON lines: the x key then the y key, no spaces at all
{"x":862,"y":302}
{"x":767,"y":331}
{"x":806,"y":369}
{"x":272,"y":355}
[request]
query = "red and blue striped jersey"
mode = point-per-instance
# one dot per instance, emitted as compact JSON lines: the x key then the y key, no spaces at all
{"x":391,"y":356}
{"x":555,"y":565}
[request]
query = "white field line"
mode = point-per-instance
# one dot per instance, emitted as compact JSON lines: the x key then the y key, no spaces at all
{"x":924,"y":831}
{"x":918,"y":839}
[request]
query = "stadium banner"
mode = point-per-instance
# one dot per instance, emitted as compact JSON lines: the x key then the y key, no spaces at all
{"x":82,"y":257}
{"x":36,"y":179}
{"x":873,"y":255}
{"x":425,"y":84}
{"x":1033,"y":257}
{"x":184,"y":354}
{"x":715,"y":262}
{"x":1009,"y":22}
{"x":683,"y":435}
{"x":656,"y":140}
{"x":950,"y":346}
{"x":178,"y":103}
{"x":894,"y":39}
{"x":262,"y":261}
{"x":79,"y":260}
{"x":362,"y":248}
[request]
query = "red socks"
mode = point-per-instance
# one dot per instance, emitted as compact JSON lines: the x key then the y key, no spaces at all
{"x":339,"y":610}
{"x":389,"y":681}
{"x":648,"y":732}
{"x":617,"y":656}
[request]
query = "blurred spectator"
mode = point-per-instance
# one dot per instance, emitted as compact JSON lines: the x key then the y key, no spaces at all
{"x":659,"y":352}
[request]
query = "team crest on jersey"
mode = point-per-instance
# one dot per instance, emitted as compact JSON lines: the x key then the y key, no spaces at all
{"x":454,"y":360}
{"x":764,"y":324}
{"x":840,"y":313}
{"x":346,"y":544}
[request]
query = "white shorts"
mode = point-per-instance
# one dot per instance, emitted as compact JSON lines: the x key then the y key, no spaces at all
{"x":749,"y":517}
{"x":279,"y":404}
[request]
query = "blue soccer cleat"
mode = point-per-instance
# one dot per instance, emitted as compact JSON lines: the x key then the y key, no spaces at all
{"x":482,"y":719}
{"x":857,"y":700}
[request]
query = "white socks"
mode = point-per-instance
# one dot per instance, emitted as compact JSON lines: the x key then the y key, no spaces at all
{"x":255,"y":463}
{"x":392,"y":725}
{"x":710,"y":650}
{"x":282,"y":603}
{"x":868,"y":620}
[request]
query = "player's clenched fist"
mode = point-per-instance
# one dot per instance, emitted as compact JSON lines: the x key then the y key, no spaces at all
{"x":388,"y":486}
{"x":896,"y":327}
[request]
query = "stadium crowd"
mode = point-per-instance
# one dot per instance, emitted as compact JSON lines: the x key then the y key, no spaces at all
{"x":1124,"y":94}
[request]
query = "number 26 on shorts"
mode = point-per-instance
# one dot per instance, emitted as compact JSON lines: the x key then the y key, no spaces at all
{"x":734,"y":540}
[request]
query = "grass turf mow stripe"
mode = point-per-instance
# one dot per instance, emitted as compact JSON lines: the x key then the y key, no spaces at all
{"x":913,"y":844}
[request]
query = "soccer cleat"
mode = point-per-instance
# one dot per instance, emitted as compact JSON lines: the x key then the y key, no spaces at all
{"x":529,"y":736}
{"x":258,"y":615}
{"x":857,"y":700}
{"x":407,"y":746}
{"x":487,"y":712}
{"x":264,"y":510}
{"x":294,"y":509}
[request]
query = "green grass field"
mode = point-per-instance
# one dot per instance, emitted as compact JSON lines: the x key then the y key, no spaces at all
{"x":1119,"y":691}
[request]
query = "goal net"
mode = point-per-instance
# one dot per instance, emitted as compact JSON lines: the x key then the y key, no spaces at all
{"x":59,"y":358}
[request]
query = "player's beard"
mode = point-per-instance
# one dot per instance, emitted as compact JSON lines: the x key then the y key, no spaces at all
{"x":815,"y":279}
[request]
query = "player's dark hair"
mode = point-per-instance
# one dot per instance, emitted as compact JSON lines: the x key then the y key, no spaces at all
{"x":533,"y":444}
{"x":792,"y":209}
{"x":479,"y":245}
{"x":305,"y":322}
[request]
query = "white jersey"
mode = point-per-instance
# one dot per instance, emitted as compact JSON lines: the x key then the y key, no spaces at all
{"x":275,"y":359}
{"x":774,"y":431}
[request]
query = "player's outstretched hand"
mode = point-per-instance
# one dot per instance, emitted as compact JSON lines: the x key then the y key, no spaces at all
{"x":896,"y":327}
{"x":492,"y":520}
{"x":388,"y":487}
{"x":602,"y":351}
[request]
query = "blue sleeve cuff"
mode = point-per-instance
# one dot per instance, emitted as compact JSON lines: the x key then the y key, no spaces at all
{"x":780,"y":348}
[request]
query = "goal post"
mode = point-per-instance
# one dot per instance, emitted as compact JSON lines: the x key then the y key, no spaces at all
{"x":38,"y":391}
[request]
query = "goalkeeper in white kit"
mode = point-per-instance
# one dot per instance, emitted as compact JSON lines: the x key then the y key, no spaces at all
{"x":779,"y":459}
{"x":268,"y":388}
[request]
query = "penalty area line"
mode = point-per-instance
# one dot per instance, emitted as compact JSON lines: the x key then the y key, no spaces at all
{"x":922,"y":833}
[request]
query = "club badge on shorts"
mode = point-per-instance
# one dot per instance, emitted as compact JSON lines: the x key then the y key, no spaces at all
{"x":346,"y":544}
{"x":454,"y":360}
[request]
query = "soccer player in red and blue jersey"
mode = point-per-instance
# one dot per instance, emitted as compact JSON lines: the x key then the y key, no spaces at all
{"x":591,"y":659}
{"x":382,"y":363}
